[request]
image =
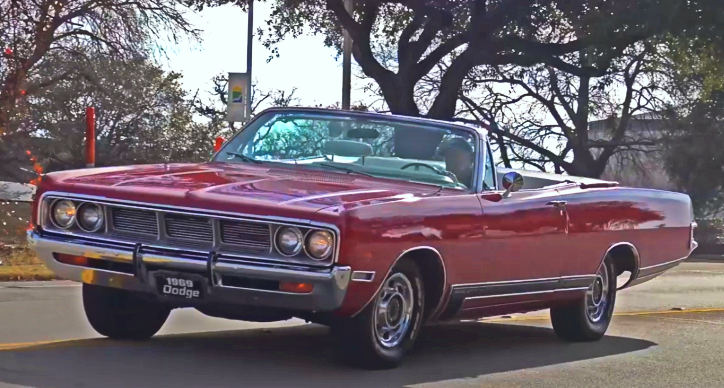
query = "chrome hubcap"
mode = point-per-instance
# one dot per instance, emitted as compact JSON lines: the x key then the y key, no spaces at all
{"x":597,"y":295}
{"x":393,"y":310}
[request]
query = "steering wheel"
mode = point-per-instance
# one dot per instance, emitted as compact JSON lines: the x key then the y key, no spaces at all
{"x":438,"y":171}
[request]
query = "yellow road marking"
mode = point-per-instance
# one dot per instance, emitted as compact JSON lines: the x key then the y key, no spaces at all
{"x":20,"y":345}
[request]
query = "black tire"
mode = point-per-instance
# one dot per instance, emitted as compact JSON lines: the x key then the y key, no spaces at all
{"x":573,"y":323}
{"x":355,"y":340}
{"x":119,"y":314}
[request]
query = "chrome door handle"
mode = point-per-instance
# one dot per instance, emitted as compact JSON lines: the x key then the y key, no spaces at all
{"x":557,"y":203}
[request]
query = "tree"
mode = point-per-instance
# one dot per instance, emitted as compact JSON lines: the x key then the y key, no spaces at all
{"x":475,"y":33}
{"x":398,"y":43}
{"x":693,"y":153}
{"x":79,"y":30}
{"x":142,"y":115}
{"x":540,"y":116}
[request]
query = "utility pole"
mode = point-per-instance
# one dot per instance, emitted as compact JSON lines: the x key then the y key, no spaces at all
{"x":347,"y":62}
{"x":249,"y":40}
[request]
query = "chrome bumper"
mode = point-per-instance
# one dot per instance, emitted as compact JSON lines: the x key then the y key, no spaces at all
{"x":328,"y":293}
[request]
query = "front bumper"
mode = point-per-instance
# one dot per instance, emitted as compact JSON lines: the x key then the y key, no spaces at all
{"x":329,"y":289}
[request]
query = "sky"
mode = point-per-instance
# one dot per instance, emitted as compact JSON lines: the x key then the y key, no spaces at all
{"x":304,"y":62}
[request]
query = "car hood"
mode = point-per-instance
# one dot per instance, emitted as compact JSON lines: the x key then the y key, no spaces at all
{"x":252,"y":189}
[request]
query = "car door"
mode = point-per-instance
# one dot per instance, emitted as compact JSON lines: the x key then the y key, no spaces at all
{"x":523,"y":249}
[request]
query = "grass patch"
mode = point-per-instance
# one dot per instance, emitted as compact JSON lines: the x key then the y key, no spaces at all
{"x":20,"y":263}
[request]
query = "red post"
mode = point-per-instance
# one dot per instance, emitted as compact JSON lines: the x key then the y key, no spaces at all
{"x":90,"y":137}
{"x":219,"y":142}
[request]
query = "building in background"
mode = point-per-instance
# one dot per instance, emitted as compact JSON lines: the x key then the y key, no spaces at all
{"x":639,"y":165}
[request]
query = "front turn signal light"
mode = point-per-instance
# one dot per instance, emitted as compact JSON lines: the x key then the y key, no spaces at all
{"x":71,"y":259}
{"x":297,"y":288}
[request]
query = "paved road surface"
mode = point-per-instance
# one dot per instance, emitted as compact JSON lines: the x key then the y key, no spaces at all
{"x":670,"y":349}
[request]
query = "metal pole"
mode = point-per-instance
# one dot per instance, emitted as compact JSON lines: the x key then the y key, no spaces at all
{"x":347,"y":62}
{"x":90,"y":137}
{"x":249,"y":40}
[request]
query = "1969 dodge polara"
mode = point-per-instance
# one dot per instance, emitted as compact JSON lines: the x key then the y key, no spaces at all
{"x":375,"y":225}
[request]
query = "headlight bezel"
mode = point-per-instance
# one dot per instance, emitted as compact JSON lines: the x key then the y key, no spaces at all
{"x":306,"y":253}
{"x":79,"y":217}
{"x":51,"y":214}
{"x":296,"y":231}
{"x":310,"y":233}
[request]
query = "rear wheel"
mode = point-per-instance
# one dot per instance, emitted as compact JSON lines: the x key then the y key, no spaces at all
{"x":119,"y":314}
{"x":380,"y":335}
{"x":589,"y":319}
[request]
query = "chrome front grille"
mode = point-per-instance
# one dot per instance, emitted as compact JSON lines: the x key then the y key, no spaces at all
{"x":134,"y":221}
{"x":247,"y":236}
{"x":189,"y":228}
{"x":192,"y":233}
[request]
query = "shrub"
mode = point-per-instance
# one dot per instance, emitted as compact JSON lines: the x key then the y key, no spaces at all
{"x":710,"y":231}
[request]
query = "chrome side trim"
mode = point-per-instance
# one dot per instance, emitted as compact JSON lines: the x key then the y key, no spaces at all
{"x":444,"y":281}
{"x":523,"y":280}
{"x":664,"y":264}
{"x":187,"y":211}
{"x":527,"y":293}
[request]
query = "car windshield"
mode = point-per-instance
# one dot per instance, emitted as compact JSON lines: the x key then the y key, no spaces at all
{"x":358,"y":144}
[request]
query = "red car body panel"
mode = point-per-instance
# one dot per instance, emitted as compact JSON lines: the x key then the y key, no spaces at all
{"x":481,"y":238}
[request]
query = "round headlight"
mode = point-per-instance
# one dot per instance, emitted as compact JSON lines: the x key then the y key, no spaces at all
{"x":90,"y":217}
{"x":319,"y":244}
{"x":289,"y":240}
{"x":63,"y":214}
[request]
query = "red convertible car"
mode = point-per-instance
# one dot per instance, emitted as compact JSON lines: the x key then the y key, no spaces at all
{"x":375,"y":225}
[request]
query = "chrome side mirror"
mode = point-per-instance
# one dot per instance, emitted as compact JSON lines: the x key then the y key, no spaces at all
{"x":512,"y":182}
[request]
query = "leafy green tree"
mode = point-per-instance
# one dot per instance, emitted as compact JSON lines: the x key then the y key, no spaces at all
{"x":422,"y":56}
{"x":33,"y":31}
{"x":473,"y":33}
{"x":694,"y":156}
{"x":142,"y":116}
{"x":540,"y":116}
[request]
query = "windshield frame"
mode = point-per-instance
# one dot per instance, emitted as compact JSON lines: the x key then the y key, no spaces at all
{"x":478,"y":137}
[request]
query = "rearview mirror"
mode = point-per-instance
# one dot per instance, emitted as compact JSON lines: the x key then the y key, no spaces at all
{"x":363,"y":133}
{"x":512,"y":182}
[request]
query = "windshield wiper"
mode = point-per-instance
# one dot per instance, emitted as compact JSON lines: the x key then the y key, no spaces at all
{"x":243,"y":157}
{"x":346,"y":169}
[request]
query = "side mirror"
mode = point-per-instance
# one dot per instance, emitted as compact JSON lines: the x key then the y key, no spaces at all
{"x":512,"y":182}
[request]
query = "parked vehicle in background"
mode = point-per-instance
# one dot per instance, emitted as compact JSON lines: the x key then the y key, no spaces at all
{"x":372,"y":224}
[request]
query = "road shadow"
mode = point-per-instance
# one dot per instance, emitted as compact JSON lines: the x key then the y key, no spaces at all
{"x":293,"y":356}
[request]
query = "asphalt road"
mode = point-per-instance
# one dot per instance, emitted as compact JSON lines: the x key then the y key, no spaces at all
{"x":648,"y":345}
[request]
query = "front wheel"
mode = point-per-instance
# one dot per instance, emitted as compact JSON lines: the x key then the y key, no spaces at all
{"x":380,"y":335}
{"x":119,"y":314}
{"x":589,"y":319}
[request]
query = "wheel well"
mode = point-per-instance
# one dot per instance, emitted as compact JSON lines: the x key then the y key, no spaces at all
{"x":625,"y":259}
{"x":432,"y":270}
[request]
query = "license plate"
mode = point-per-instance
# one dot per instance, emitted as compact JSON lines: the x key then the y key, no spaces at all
{"x":180,"y":286}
